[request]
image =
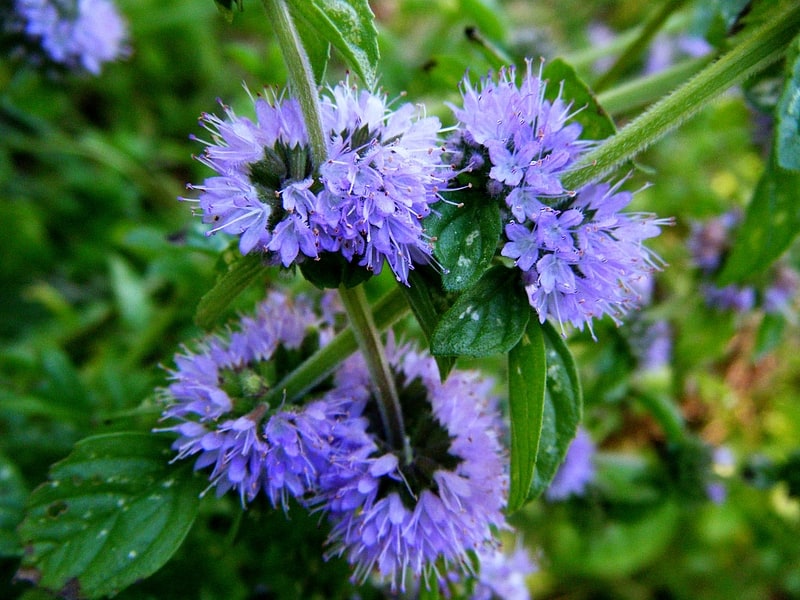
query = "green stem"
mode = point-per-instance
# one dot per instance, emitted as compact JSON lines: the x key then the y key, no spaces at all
{"x":632,"y":52}
{"x":645,"y":90}
{"x":663,"y":410}
{"x":324,"y":361}
{"x":756,"y":51}
{"x":371,"y":346}
{"x":301,"y":76}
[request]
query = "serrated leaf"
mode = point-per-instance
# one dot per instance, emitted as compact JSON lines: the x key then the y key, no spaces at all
{"x":348,"y":25}
{"x":240,"y":274}
{"x":596,"y":123}
{"x":771,"y":223}
{"x":12,"y":502}
{"x":526,"y":394}
{"x":466,"y":238}
{"x":487,"y":319}
{"x":113,"y":512}
{"x":563,"y":409}
{"x":788,"y":114}
{"x":420,"y":295}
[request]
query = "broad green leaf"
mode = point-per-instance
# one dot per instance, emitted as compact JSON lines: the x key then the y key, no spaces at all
{"x":788,"y":114}
{"x":771,"y":223}
{"x":12,"y":501}
{"x":113,"y":512}
{"x":488,"y":319}
{"x":240,"y":274}
{"x":420,"y":295}
{"x":563,"y":409}
{"x":770,"y":334}
{"x":348,"y":25}
{"x":526,"y":393}
{"x":466,"y":238}
{"x":596,"y":123}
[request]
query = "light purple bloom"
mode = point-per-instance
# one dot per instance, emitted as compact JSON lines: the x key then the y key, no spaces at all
{"x":502,"y":576}
{"x":75,"y":33}
{"x":576,"y":472}
{"x":216,"y":399}
{"x":667,"y":49}
{"x":398,"y":516}
{"x":581,"y":257}
{"x":366,"y":201}
{"x":782,"y":291}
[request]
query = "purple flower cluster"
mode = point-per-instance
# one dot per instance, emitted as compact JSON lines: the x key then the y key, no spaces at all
{"x":216,"y":397}
{"x":400,"y":514}
{"x":502,"y":576}
{"x":709,"y":242}
{"x":581,"y":256}
{"x":408,"y":516}
{"x":75,"y":33}
{"x":366,"y":201}
{"x":576,"y":472}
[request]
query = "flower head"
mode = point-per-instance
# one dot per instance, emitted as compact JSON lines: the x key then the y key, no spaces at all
{"x":502,"y":576}
{"x":580,"y":255}
{"x":365,"y":201}
{"x":79,"y":34}
{"x":404,"y":516}
{"x":576,"y":472}
{"x":216,"y":402}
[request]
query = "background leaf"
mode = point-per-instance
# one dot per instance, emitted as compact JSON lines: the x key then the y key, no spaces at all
{"x":466,"y":238}
{"x":113,"y":512}
{"x":771,"y":223}
{"x":240,"y":274}
{"x":597,"y":124}
{"x":12,"y":501}
{"x":526,"y":393}
{"x":563,"y":409}
{"x":488,"y":319}
{"x":348,"y":25}
{"x":787,"y":135}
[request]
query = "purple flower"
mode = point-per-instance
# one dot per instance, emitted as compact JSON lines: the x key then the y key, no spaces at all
{"x":502,"y":576}
{"x":383,"y":171}
{"x":587,"y":260}
{"x":75,"y":33}
{"x":782,"y":291}
{"x":576,"y":472}
{"x":581,"y":257}
{"x":217,"y":400}
{"x":398,"y":515}
{"x":529,"y":141}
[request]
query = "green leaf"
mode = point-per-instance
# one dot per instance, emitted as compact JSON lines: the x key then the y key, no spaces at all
{"x":12,"y":501}
{"x":788,"y":114}
{"x":526,"y":395}
{"x":596,"y":123}
{"x":771,"y":223}
{"x":563,"y":409}
{"x":488,"y":319}
{"x":242,"y":271}
{"x":113,"y":512}
{"x":348,"y":25}
{"x":466,"y":238}
{"x":421,"y":294}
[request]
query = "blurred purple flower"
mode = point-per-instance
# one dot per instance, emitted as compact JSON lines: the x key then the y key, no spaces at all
{"x":502,"y":576}
{"x":667,"y":49}
{"x":576,"y":472}
{"x":79,"y":34}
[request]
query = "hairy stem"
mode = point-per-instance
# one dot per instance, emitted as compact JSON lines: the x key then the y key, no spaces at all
{"x":757,"y":50}
{"x":301,"y":76}
{"x":369,"y":342}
